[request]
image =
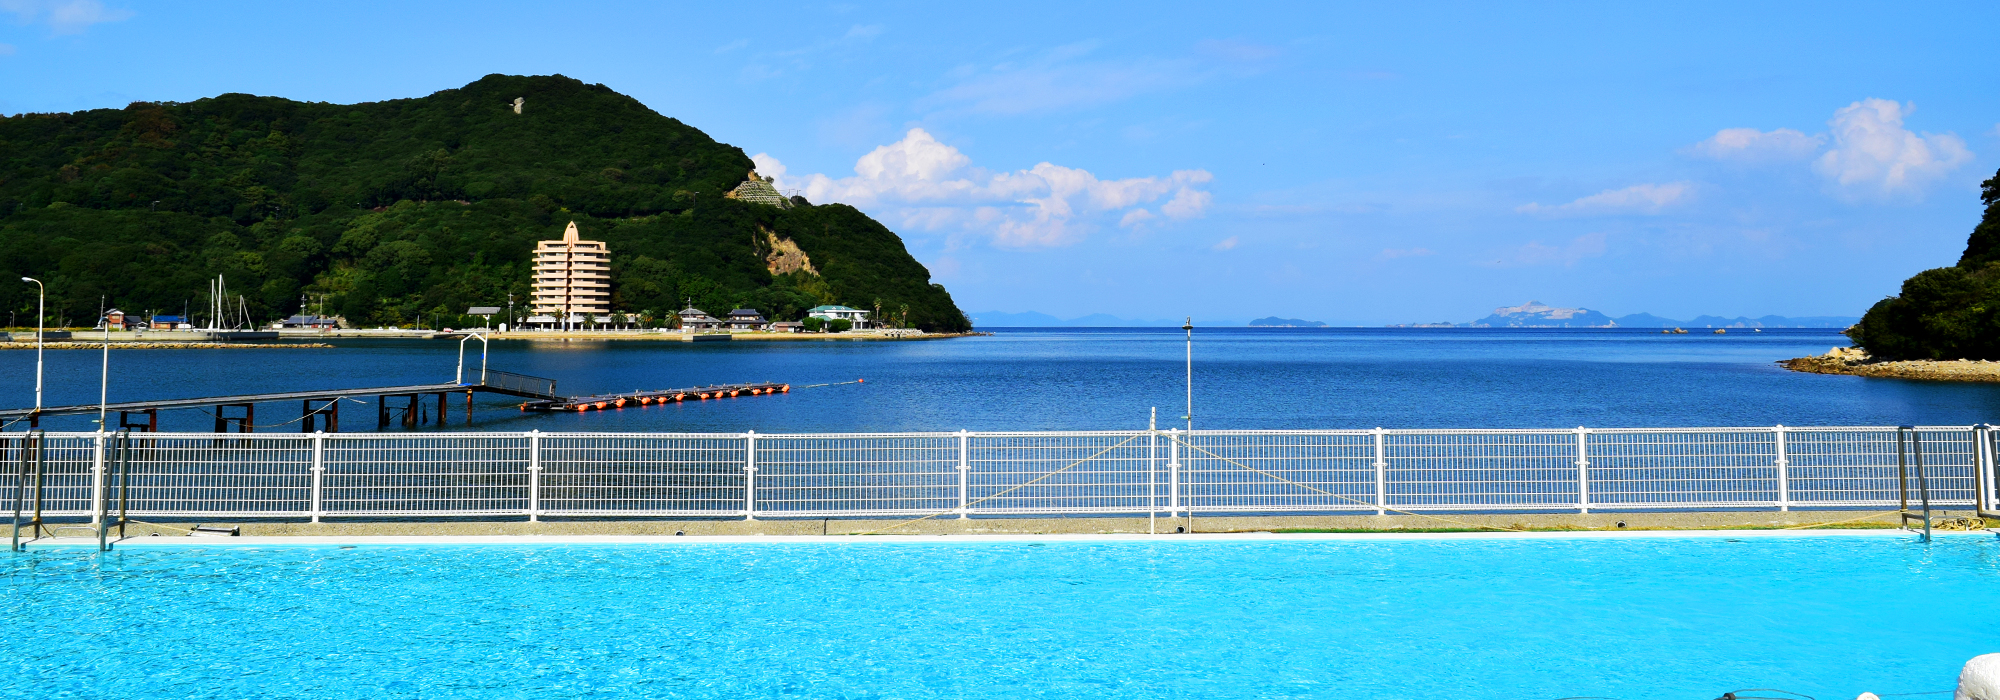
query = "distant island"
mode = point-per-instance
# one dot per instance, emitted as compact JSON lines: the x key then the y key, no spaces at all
{"x":1535,"y":314}
{"x":1275,"y":322}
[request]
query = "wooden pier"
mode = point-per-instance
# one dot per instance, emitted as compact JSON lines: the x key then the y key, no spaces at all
{"x":320,"y":409}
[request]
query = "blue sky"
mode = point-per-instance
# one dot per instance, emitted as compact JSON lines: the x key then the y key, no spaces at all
{"x":1362,"y":163}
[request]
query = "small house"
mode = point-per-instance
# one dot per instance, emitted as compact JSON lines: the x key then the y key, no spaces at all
{"x":693,"y":319}
{"x":114,"y":320}
{"x":169,"y":323}
{"x":784,"y":326}
{"x":745,"y":320}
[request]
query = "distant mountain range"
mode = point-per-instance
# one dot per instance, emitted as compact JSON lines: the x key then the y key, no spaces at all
{"x":1275,"y":322}
{"x":1535,"y":314}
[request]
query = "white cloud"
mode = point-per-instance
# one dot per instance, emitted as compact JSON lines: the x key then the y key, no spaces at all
{"x":63,"y":16}
{"x":1874,"y":156}
{"x":732,"y":46}
{"x":1753,"y":145}
{"x":1226,"y":243}
{"x":6,"y":49}
{"x":1637,"y":199}
{"x":925,"y":183}
{"x":864,"y":32}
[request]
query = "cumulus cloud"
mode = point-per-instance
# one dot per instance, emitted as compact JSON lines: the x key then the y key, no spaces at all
{"x":925,"y":183}
{"x":1753,"y":145}
{"x":1637,"y":199}
{"x":63,"y":16}
{"x":1226,"y":243}
{"x":1874,"y":156}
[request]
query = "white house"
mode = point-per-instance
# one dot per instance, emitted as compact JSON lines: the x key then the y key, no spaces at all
{"x":835,"y":312}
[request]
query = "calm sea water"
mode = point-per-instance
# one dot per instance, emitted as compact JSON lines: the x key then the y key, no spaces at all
{"x":1653,"y":618}
{"x":1057,"y":379}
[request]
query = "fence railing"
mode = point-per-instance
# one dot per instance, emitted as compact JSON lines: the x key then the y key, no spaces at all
{"x":968,"y":474}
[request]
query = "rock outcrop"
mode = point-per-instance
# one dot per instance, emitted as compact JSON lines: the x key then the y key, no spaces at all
{"x":1856,"y":362}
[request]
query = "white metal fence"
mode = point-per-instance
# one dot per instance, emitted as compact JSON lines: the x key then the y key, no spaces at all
{"x":968,"y":474}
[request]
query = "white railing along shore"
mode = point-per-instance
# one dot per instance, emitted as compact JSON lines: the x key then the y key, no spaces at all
{"x":972,"y":474}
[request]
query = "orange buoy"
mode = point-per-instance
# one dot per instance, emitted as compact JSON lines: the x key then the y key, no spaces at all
{"x":859,"y":381}
{"x":786,"y":388}
{"x":733,"y":392}
{"x":754,"y":392}
{"x":582,"y":407}
{"x":600,"y":404}
{"x":620,"y":403}
{"x":679,"y":397}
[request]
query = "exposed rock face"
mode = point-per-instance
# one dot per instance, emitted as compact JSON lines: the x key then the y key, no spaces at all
{"x":785,"y":256}
{"x":1855,"y":361}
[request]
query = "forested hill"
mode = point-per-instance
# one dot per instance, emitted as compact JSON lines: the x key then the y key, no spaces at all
{"x":396,"y":210}
{"x":1947,"y":313}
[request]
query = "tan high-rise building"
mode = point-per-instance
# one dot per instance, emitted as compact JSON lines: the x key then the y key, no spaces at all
{"x":572,"y":277}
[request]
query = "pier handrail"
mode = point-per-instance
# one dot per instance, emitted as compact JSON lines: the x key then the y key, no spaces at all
{"x":518,"y":383}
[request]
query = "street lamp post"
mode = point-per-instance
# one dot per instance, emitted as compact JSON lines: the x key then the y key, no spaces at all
{"x":1189,"y":327}
{"x":41,"y":312}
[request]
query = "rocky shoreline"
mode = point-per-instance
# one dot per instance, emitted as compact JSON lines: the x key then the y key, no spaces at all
{"x":1852,"y":361}
{"x":141,"y":345}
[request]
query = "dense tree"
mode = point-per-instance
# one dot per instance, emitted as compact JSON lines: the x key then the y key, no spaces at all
{"x":395,"y":210}
{"x":1947,"y":313}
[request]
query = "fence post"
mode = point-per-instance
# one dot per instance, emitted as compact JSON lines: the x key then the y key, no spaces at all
{"x":97,"y":482}
{"x":1784,"y":471}
{"x":1381,"y":472}
{"x":1982,"y":472}
{"x":964,"y":469}
{"x":1173,"y":473}
{"x":750,"y":475}
{"x":1582,"y":469}
{"x":317,"y":507}
{"x":1153,"y":478}
{"x":534,"y":476}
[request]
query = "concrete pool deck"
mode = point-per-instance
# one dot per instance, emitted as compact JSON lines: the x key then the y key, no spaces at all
{"x":1553,"y":525}
{"x":1238,"y":537}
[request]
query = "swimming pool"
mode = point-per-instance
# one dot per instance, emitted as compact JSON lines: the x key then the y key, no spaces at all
{"x":1828,"y":616}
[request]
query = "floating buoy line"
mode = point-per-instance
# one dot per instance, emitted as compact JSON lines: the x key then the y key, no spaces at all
{"x":603,"y":402}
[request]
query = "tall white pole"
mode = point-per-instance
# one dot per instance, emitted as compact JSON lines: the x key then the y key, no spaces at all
{"x":1189,"y":327}
{"x":104,"y":383}
{"x":41,"y":304}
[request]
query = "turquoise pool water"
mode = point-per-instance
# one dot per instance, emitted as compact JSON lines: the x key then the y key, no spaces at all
{"x":1543,"y":618}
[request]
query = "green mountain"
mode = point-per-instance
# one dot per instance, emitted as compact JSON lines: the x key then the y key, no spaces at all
{"x":393,"y":211}
{"x":1948,"y":313}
